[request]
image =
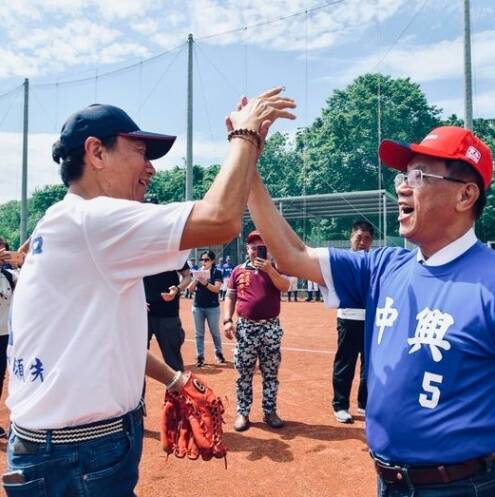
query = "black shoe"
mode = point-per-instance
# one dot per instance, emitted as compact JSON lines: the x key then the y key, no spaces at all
{"x":221,"y":359}
{"x":272,"y":419}
{"x":3,"y":433}
{"x":200,"y":362}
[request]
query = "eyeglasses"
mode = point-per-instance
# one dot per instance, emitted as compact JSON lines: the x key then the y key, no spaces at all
{"x":414,"y":178}
{"x":206,"y":259}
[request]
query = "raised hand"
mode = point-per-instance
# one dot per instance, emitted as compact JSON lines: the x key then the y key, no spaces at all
{"x":261,"y":110}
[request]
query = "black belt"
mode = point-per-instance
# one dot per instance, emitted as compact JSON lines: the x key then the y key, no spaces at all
{"x":435,"y":474}
{"x":75,"y":434}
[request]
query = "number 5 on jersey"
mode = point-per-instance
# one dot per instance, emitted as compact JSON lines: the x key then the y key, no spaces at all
{"x":431,"y":398}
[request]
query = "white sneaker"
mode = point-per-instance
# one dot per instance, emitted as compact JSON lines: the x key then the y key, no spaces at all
{"x":361,"y":411}
{"x":343,"y":416}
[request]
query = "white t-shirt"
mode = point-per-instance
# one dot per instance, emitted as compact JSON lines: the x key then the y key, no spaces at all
{"x":78,"y":323}
{"x":6,"y":293}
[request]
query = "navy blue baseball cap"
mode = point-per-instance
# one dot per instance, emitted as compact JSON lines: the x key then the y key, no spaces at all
{"x":103,"y":121}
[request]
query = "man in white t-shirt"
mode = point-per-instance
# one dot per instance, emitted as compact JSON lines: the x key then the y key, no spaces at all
{"x":78,"y":334}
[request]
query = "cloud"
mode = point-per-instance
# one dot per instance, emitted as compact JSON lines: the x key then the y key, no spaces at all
{"x":43,"y":171}
{"x":75,"y":43}
{"x":483,"y":105}
{"x":64,"y":33}
{"x":436,"y":61}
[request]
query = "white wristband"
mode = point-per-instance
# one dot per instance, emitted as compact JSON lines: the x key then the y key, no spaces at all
{"x":175,"y":379}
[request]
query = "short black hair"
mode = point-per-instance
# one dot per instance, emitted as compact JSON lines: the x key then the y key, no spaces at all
{"x":72,"y":165}
{"x":462,"y":170}
{"x":363,"y":226}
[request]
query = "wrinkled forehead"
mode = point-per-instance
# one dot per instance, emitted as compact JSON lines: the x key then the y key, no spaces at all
{"x":426,"y":163}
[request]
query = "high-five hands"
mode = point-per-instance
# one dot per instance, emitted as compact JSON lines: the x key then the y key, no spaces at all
{"x":259,"y":113}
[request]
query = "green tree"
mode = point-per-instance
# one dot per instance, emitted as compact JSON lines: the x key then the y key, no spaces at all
{"x":340,"y":147}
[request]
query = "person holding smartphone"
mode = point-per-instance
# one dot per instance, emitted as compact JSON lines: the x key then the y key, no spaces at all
{"x":206,"y":306}
{"x":254,"y":291}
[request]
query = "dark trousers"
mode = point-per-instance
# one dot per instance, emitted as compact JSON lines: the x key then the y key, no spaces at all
{"x":292,"y":294}
{"x":170,"y":337}
{"x":4,"y":340}
{"x":350,"y":345}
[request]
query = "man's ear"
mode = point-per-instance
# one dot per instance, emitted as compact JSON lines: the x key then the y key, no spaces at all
{"x":94,"y":152}
{"x":467,"y":197}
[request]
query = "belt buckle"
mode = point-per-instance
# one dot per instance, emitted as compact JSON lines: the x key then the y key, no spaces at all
{"x":391,"y":473}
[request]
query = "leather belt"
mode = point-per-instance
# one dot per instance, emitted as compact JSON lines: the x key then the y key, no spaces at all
{"x":432,"y":475}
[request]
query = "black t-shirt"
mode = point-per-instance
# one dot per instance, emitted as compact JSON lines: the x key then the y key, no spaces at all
{"x":155,"y":285}
{"x":204,"y":297}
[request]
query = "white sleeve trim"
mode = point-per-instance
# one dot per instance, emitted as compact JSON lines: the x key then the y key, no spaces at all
{"x":328,"y":292}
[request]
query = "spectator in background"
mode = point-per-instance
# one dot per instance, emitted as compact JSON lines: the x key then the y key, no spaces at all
{"x":219,"y":264}
{"x":163,"y":292}
{"x":206,"y":307}
{"x":254,"y":289}
{"x":313,"y":292}
{"x":8,"y":278}
{"x":350,"y":329}
{"x":292,"y":291}
{"x":227,"y":269}
{"x":194,"y":267}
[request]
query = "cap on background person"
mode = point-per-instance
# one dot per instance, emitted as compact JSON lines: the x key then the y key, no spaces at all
{"x":446,"y":142}
{"x":254,"y":236}
{"x":103,"y":121}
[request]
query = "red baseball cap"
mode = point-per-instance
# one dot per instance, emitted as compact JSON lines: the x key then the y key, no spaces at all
{"x":446,"y":142}
{"x":254,"y":235}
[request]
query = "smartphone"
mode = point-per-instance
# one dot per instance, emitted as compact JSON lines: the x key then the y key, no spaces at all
{"x":261,"y":251}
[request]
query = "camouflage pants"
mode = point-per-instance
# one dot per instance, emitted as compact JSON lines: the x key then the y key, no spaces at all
{"x":257,"y":340}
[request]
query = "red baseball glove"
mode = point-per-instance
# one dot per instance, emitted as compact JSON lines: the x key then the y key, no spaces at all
{"x":192,"y":421}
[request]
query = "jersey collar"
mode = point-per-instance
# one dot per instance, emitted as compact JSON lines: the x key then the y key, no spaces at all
{"x":450,"y":251}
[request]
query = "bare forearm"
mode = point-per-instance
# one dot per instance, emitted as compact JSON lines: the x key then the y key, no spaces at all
{"x":281,"y":282}
{"x":216,"y":218}
{"x":284,"y":244}
{"x":229,"y":307}
{"x":231,"y":187}
{"x":158,"y":370}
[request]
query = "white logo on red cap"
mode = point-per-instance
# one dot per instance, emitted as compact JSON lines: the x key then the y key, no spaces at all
{"x":474,"y":154}
{"x":431,"y":136}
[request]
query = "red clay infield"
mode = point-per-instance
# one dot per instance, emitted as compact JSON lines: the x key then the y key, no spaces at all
{"x":312,"y":456}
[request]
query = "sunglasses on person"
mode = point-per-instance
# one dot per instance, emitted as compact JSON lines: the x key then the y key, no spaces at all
{"x":415,"y":178}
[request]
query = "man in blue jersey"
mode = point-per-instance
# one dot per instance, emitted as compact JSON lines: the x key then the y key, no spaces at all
{"x":430,"y":317}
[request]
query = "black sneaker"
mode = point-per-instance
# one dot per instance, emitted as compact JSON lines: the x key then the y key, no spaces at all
{"x":3,"y":433}
{"x":200,"y":362}
{"x":220,"y":358}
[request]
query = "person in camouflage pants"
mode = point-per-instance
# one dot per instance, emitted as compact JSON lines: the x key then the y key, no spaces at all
{"x":254,"y":291}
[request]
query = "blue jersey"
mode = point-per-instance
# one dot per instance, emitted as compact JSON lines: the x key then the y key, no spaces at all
{"x":227,"y":269}
{"x":430,"y":340}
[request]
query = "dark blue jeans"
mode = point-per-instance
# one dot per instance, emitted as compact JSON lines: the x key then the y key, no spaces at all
{"x":104,"y":467}
{"x":482,"y":485}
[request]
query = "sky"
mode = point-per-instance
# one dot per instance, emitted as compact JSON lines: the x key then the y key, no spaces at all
{"x":133,"y":53}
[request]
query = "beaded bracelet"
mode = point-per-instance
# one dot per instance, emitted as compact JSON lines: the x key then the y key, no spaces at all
{"x":245,"y":132}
